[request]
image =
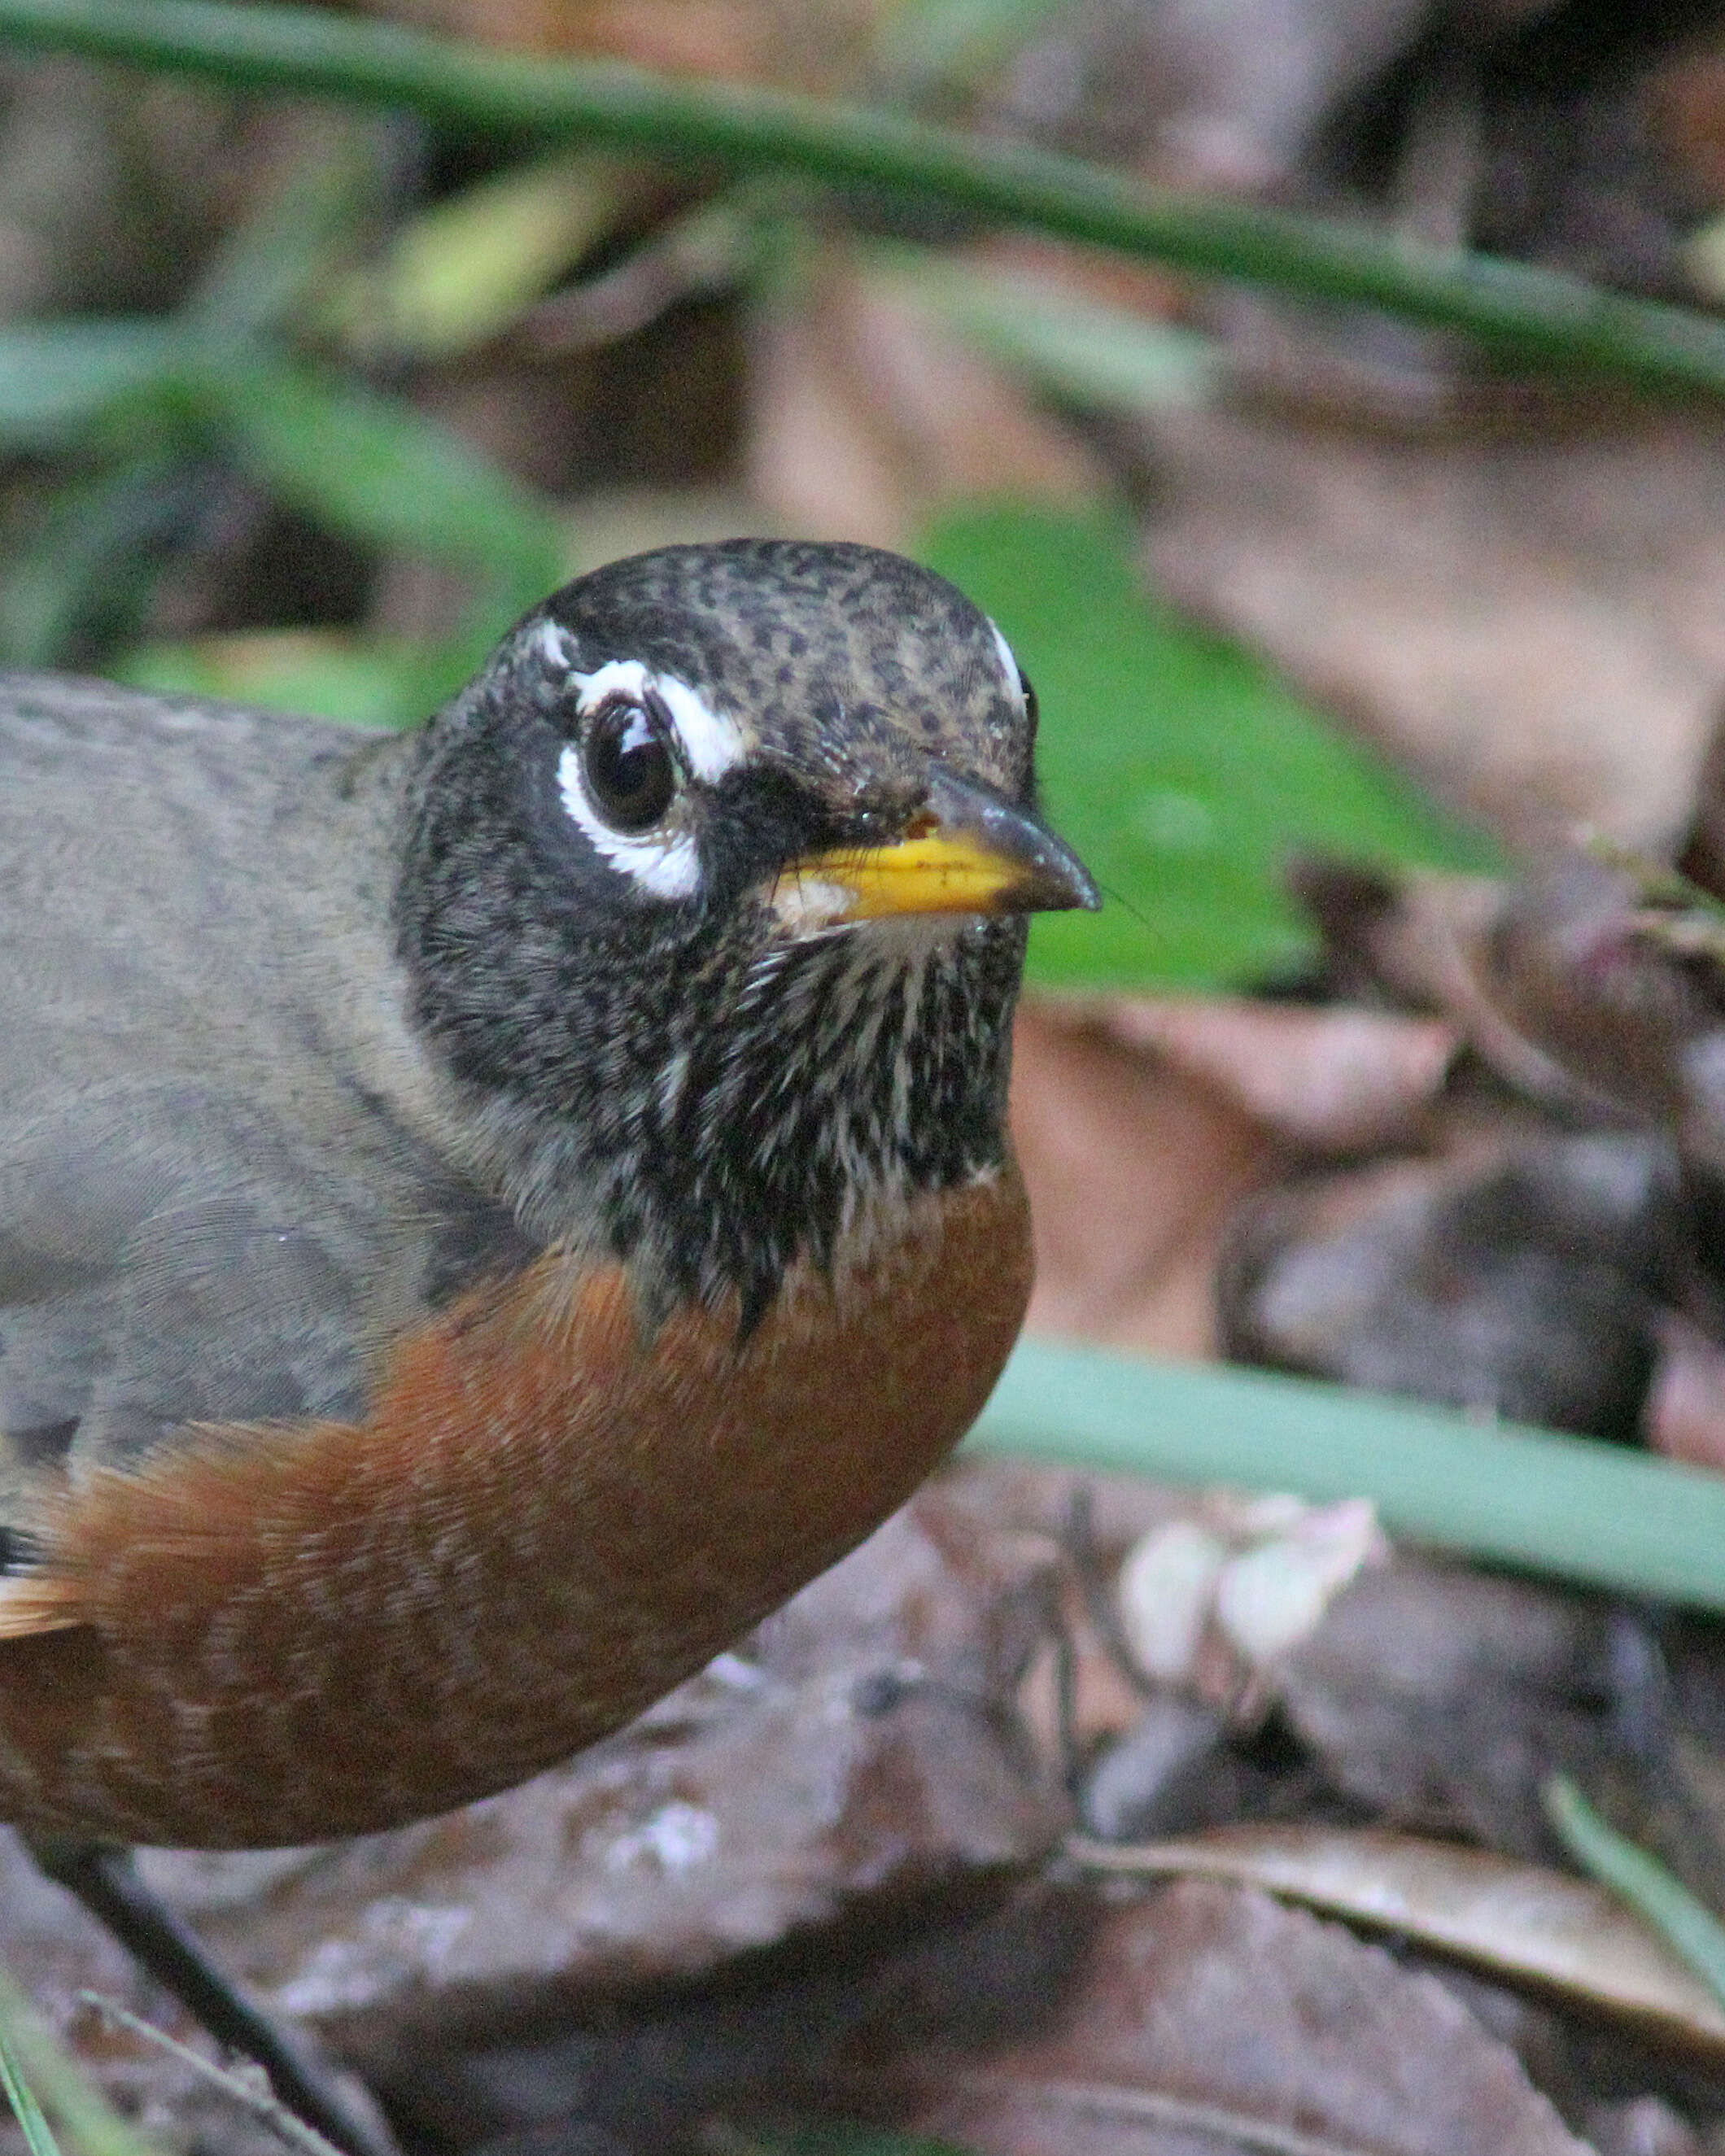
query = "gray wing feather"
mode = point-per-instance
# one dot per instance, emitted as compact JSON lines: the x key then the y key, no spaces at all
{"x":155,"y":1268}
{"x":208,"y":1210}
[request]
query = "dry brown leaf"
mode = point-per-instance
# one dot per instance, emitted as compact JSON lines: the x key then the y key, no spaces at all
{"x":866,"y":415}
{"x":1642,"y":2125}
{"x":1424,"y":937}
{"x":1683,"y":1416}
{"x":728,"y":38}
{"x":1514,"y":1274}
{"x":1223,"y":96}
{"x":1030,"y":1497}
{"x":1686,"y":105}
{"x":1333,"y":1080}
{"x":1539,"y":625}
{"x":1210,"y":2019}
{"x":1133,"y":1170}
{"x":820,"y":457}
{"x":1521,"y":1922}
{"x":1589,"y":985}
{"x":808,"y":43}
{"x":1438,"y":1698}
{"x":1105,"y":279}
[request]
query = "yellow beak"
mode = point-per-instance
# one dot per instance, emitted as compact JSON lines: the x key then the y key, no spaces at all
{"x":967,"y":851}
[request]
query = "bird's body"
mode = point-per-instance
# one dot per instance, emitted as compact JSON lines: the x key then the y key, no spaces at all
{"x":484,"y":1215}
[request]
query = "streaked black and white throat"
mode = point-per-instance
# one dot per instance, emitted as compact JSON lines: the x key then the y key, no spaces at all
{"x":653,"y":1063}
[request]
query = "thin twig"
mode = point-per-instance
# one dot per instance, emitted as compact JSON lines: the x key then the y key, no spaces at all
{"x":239,"y":2086}
{"x":1539,"y":314}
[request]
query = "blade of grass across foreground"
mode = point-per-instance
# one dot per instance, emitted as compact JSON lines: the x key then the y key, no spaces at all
{"x":1537,"y":313}
{"x":1584,"y":1510}
{"x":32,"y":2064}
{"x":38,"y":2135}
{"x":1687,"y":1926}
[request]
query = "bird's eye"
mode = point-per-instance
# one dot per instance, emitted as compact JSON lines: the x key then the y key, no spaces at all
{"x":1030,"y":696}
{"x":631,"y":775}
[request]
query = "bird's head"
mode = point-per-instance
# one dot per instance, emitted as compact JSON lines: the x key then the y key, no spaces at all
{"x":713,"y":901}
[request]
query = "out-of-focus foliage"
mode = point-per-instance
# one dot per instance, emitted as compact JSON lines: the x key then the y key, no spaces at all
{"x":1078,"y":349}
{"x":1182,"y":769}
{"x":463,"y":270}
{"x":139,"y":408}
{"x":324,"y":673}
{"x":299,"y":360}
{"x":36,"y":2072}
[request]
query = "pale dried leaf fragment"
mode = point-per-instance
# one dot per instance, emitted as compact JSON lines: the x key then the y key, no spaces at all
{"x":1167,"y":1593}
{"x":1262,"y":1578}
{"x":1271,"y":1597}
{"x":1524,"y":1923}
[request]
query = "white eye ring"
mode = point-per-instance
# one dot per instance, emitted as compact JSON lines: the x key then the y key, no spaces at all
{"x":1009,"y":667}
{"x":667,"y":863}
{"x":707,"y":743}
{"x":663,"y":861}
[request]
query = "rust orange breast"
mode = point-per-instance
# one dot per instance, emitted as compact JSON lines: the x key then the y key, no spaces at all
{"x":551,"y":1517}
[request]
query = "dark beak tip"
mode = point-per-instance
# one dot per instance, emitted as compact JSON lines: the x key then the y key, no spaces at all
{"x":1066,"y":886}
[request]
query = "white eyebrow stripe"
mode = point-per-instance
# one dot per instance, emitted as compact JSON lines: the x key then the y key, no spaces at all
{"x":670,"y":867}
{"x":1008,"y":664}
{"x":557,"y":644}
{"x":616,"y":677}
{"x":711,"y":741}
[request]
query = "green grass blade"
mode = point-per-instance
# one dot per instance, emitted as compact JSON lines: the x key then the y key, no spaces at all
{"x":80,"y":579}
{"x":1538,"y":313}
{"x":373,"y":466}
{"x":264,"y":268}
{"x":1587,"y":1512}
{"x":38,"y":2136}
{"x":1088,"y":351}
{"x":1692,"y":1931}
{"x":390,"y":475}
{"x":59,"y":379}
{"x":32,"y":2063}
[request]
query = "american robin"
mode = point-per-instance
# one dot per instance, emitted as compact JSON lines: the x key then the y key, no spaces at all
{"x":485,"y":1214}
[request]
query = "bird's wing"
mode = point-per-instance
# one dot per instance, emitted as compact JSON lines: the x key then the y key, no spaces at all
{"x":167,"y":1257}
{"x":202,"y":1217}
{"x":170,"y":1260}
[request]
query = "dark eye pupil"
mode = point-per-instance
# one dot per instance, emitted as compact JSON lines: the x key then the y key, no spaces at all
{"x":628,"y":769}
